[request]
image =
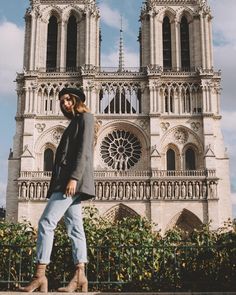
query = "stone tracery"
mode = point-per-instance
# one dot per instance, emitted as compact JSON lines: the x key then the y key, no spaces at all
{"x":120,"y":150}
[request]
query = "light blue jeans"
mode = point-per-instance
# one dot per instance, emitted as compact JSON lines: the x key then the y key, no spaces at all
{"x":56,"y":207}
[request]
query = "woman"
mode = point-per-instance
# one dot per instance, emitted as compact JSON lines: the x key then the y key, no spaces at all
{"x":72,"y":182}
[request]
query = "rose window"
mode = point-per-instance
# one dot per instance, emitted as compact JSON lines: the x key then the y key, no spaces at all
{"x":120,"y":149}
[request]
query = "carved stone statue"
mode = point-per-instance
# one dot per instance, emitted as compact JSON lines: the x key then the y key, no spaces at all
{"x":197,"y":190}
{"x":121,"y":162}
{"x":155,"y":190}
{"x":128,"y":191}
{"x":23,"y":191}
{"x":45,"y":190}
{"x":212,"y":190}
{"x":163,"y":193}
{"x":134,"y":191}
{"x":148,"y":191}
{"x":113,"y":191}
{"x":39,"y":191}
{"x":169,"y":190}
{"x":31,"y":191}
{"x":204,"y":190}
{"x":183,"y":190}
{"x":190,"y":190}
{"x":107,"y":191}
{"x":100,"y":191}
{"x":121,"y":191}
{"x":141,"y":191}
{"x":176,"y":190}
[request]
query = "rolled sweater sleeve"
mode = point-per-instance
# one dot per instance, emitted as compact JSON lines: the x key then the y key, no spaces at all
{"x":84,"y":145}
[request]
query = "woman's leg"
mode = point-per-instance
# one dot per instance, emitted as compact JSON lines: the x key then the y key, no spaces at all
{"x":75,"y":229}
{"x":53,"y":212}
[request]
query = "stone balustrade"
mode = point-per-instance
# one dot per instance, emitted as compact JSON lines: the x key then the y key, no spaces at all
{"x":132,"y":185}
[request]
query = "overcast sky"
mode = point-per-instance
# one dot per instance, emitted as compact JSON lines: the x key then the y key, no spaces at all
{"x":11,"y":56}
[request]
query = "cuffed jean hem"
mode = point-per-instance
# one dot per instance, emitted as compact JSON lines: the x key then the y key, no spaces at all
{"x":81,"y":261}
{"x":43,"y":262}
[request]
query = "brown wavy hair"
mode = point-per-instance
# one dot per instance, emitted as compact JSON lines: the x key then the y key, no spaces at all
{"x":80,"y":107}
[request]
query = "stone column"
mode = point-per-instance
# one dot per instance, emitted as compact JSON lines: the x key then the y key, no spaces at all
{"x":151,"y":39}
{"x":62,"y":36}
{"x":87,"y":36}
{"x":26,"y":110}
{"x":175,"y":44}
{"x":202,"y":34}
{"x":37,"y":48}
{"x":32,"y":41}
{"x":210,"y":41}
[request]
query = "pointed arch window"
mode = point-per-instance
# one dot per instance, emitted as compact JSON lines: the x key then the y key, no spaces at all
{"x":170,"y":160}
{"x":190,"y":159}
{"x":51,"y":62}
{"x":186,"y":101}
{"x":166,"y":33}
{"x":169,"y":101}
{"x":184,"y":39}
{"x":71,"y":51}
{"x":188,"y":221}
{"x":48,"y":160}
{"x":119,"y":99}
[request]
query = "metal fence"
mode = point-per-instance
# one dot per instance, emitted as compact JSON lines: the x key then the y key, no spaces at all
{"x":175,"y":268}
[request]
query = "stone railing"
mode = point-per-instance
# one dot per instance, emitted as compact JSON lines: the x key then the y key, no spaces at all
{"x":131,"y":185}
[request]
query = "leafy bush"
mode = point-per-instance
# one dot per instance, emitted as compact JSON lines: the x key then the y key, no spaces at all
{"x":126,"y":256}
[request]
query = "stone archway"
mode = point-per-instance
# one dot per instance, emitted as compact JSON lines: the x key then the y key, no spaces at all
{"x":185,"y":220}
{"x":118,"y":212}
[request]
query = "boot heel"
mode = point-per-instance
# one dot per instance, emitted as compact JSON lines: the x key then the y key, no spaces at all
{"x":44,"y":286}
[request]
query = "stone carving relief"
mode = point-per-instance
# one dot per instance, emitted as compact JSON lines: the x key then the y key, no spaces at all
{"x":56,"y":135}
{"x":195,"y":126}
{"x":181,"y":135}
{"x":165,"y":126}
{"x":40,"y":127}
{"x":143,"y":124}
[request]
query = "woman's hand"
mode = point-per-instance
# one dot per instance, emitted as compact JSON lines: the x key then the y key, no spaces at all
{"x":71,"y":188}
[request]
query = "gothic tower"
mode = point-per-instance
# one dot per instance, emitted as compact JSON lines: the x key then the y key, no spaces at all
{"x":160,"y":152}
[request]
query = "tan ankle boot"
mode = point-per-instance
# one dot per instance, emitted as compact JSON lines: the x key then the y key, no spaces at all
{"x":79,"y":281}
{"x":39,"y":281}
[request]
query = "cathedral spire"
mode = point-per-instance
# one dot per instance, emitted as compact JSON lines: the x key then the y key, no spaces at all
{"x":121,"y":49}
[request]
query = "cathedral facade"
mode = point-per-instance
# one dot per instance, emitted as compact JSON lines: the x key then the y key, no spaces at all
{"x":160,"y":152}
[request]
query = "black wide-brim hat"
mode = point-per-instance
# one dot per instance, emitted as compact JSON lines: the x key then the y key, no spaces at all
{"x":75,"y":91}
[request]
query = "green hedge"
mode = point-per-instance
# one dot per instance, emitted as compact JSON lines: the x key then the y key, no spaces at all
{"x":127,"y":256}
